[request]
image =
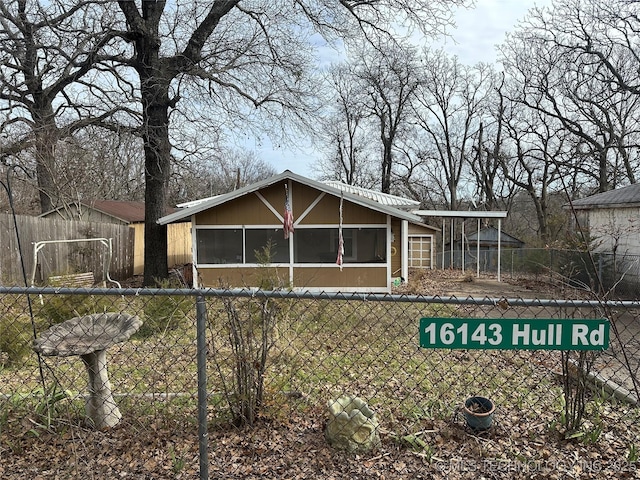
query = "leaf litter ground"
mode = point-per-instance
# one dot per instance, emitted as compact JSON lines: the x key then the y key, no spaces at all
{"x":296,"y":449}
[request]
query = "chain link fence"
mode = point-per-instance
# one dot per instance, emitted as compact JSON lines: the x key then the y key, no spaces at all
{"x":613,"y":275}
{"x":203,"y":361}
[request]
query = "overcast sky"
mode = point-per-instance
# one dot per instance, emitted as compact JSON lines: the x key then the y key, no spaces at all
{"x":477,"y":32}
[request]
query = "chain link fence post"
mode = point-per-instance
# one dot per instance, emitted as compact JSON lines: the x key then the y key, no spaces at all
{"x":201,"y":327}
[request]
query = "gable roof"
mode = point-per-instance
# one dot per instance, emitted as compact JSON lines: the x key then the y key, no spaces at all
{"x":199,"y":206}
{"x":625,"y":197}
{"x":124,"y":211}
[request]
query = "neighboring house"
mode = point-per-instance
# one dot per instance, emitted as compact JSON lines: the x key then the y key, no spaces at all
{"x":488,"y":240}
{"x":381,"y":238}
{"x":612,"y":219}
{"x":132,"y":214}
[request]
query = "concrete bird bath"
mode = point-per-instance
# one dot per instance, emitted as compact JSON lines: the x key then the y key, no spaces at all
{"x":89,"y":337}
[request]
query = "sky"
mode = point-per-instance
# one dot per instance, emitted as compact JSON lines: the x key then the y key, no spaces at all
{"x":478,"y":30}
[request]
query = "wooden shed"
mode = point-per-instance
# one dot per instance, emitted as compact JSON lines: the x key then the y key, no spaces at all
{"x":380,"y":240}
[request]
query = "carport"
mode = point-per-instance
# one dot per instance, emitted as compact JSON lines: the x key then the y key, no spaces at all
{"x":452,"y":215}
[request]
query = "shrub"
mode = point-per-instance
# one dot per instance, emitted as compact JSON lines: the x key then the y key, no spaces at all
{"x":165,"y":313}
{"x":56,"y":309}
{"x":16,"y":338}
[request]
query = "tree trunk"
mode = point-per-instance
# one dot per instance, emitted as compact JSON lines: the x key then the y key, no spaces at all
{"x":157,"y":152}
{"x":46,"y":135}
{"x":387,"y":163}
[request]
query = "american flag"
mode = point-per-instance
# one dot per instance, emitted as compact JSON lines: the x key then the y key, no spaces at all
{"x":340,"y":249}
{"x":287,"y":224}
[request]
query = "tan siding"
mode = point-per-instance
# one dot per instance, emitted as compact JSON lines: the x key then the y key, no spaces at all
{"x":396,"y":260}
{"x":304,"y":277}
{"x":327,"y":211}
{"x":235,"y":277}
{"x":421,"y":230}
{"x":358,"y":277}
{"x":247,"y":210}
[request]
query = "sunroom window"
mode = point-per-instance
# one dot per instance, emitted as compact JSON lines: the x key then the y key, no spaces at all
{"x":311,"y":245}
{"x":259,"y":238}
{"x":320,"y":245}
{"x":219,"y":245}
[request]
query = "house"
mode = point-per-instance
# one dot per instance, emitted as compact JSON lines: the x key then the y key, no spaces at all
{"x":381,"y":239}
{"x":132,"y":214}
{"x":612,"y":219}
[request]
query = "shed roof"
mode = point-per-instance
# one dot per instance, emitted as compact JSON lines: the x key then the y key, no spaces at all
{"x":625,"y":197}
{"x":124,"y":211}
{"x":132,"y":212}
{"x":199,"y":206}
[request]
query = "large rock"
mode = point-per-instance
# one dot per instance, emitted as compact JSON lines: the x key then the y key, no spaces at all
{"x":352,"y":425}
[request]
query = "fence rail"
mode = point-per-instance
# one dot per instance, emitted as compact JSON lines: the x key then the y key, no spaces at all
{"x":207,"y":359}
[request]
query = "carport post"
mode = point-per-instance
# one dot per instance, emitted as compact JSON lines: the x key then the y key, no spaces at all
{"x":499,"y":238}
{"x":478,"y":252}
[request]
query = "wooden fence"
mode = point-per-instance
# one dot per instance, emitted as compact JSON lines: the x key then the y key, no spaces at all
{"x":63,"y":258}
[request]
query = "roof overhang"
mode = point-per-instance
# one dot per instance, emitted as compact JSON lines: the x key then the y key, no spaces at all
{"x":459,"y":214}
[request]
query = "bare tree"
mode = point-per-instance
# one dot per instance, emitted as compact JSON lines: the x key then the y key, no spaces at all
{"x":486,"y":166}
{"x":449,"y":106}
{"x":49,"y":85}
{"x":228,"y":170}
{"x":387,"y":76}
{"x":98,"y":164}
{"x":344,"y":130}
{"x":531,"y":161}
{"x":560,"y":80}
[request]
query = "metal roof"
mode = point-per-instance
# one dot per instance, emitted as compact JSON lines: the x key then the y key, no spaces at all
{"x":197,"y":207}
{"x":382,"y":198}
{"x":624,"y":197}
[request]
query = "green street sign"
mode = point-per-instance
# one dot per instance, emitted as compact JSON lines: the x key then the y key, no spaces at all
{"x":514,"y":334}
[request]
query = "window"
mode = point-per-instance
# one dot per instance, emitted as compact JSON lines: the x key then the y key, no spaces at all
{"x":320,"y":245}
{"x":220,"y":245}
{"x":315,"y":245}
{"x":257,"y":239}
{"x":420,"y":252}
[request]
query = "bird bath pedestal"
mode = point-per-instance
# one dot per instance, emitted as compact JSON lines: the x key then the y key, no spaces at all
{"x":89,"y":337}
